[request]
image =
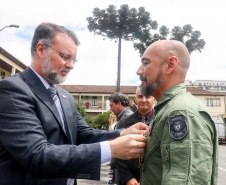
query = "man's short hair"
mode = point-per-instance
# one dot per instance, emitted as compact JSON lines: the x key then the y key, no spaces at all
{"x":118,"y":96}
{"x":45,"y":32}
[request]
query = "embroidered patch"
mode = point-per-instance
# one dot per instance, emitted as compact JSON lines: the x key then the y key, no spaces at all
{"x":178,"y":127}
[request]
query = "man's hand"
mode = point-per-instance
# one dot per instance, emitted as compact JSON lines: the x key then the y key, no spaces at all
{"x":132,"y":182}
{"x":138,"y":128}
{"x":128,"y":147}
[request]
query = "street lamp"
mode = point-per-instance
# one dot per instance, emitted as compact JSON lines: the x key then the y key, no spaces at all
{"x":12,"y":25}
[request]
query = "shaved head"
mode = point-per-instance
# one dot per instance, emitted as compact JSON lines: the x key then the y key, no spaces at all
{"x":164,"y":64}
{"x":168,"y":48}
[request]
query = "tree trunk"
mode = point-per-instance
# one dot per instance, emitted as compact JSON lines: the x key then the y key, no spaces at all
{"x":119,"y":64}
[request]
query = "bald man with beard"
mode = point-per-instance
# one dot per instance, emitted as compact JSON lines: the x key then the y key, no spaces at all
{"x":182,"y":146}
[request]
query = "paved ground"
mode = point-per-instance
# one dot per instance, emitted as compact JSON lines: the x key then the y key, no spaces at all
{"x":104,"y":177}
{"x":222,"y":165}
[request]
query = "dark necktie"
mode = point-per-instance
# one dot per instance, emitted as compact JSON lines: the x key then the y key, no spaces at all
{"x":53,"y":93}
{"x":143,"y":119}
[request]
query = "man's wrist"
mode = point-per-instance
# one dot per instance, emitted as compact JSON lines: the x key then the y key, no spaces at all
{"x":120,"y":130}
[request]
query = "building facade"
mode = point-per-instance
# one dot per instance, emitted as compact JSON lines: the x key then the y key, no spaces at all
{"x":95,"y":97}
{"x":214,"y":101}
{"x":9,"y":65}
{"x":211,"y":85}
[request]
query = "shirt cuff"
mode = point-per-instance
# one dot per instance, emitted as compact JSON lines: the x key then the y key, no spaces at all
{"x":105,"y":151}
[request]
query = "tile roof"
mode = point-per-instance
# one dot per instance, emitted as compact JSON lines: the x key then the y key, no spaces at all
{"x":108,"y":89}
{"x":198,"y":91}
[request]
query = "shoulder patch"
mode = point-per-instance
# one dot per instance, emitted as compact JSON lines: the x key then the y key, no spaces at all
{"x":178,"y":127}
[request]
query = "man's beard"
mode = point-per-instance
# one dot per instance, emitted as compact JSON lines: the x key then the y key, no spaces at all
{"x":149,"y":89}
{"x":51,"y":74}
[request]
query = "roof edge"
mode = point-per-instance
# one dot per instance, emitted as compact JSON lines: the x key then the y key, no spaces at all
{"x":11,"y":57}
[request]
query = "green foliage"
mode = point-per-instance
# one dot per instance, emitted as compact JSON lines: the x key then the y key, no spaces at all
{"x":102,"y":120}
{"x":185,"y":34}
{"x":90,"y":122}
{"x":122,"y":23}
{"x":137,"y":25}
{"x":82,"y":112}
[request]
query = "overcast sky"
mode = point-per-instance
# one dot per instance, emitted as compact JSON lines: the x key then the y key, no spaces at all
{"x":97,"y":58}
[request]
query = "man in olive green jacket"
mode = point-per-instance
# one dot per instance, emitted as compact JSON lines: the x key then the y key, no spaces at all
{"x":182,"y":146}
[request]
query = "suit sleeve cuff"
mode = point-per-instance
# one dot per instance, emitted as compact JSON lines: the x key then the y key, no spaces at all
{"x":119,"y":131}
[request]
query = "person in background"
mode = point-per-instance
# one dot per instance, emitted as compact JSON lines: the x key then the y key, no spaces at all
{"x":119,"y":105}
{"x":128,"y":170}
{"x":112,"y":121}
{"x":43,"y":138}
{"x":182,"y":147}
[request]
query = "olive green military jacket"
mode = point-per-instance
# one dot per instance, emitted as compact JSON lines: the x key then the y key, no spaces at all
{"x":182,"y":148}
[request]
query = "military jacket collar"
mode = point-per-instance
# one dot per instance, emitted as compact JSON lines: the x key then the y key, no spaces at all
{"x":169,"y":94}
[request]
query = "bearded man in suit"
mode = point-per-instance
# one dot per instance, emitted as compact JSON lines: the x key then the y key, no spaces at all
{"x":43,"y":138}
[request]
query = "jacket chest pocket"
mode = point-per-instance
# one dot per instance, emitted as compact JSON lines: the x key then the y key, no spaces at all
{"x":175,"y":161}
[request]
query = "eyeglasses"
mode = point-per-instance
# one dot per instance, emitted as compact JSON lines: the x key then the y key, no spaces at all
{"x":66,"y":57}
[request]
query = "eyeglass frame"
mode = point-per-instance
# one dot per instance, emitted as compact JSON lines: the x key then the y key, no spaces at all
{"x":64,"y":56}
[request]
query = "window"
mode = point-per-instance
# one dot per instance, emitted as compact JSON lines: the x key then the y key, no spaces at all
{"x":94,"y":100}
{"x":212,"y":102}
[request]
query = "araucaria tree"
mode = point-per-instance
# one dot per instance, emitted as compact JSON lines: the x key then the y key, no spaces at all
{"x":185,"y":34}
{"x":137,"y":26}
{"x":125,"y":23}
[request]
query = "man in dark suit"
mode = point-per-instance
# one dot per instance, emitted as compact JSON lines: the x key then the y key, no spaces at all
{"x":128,"y":170}
{"x":119,"y":104}
{"x":43,"y":138}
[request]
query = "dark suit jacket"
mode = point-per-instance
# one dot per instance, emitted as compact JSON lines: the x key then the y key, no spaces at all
{"x":126,"y":112}
{"x":128,"y":169}
{"x":33,"y":146}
